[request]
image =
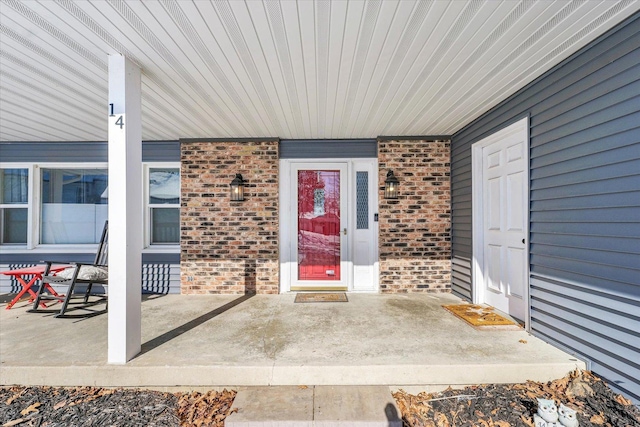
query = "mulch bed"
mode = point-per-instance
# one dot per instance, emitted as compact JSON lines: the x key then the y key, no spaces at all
{"x":93,"y":406}
{"x":505,"y":405}
{"x":501,"y":405}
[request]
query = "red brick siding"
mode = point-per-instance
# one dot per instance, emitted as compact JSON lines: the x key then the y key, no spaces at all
{"x":415,"y":229}
{"x":229,"y":247}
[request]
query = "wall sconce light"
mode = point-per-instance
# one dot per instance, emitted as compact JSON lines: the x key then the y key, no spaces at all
{"x":391,"y":185}
{"x":237,"y":188}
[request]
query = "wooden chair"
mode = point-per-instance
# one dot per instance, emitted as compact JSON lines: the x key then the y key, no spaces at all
{"x":74,"y":275}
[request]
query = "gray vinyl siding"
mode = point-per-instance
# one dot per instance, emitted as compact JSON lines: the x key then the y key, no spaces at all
{"x":461,"y":276}
{"x":160,"y":151}
{"x":584,"y":203}
{"x":160,"y":272}
{"x":82,"y":151}
{"x":328,"y":148}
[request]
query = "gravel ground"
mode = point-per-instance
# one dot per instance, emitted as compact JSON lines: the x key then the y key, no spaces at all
{"x":493,"y":405}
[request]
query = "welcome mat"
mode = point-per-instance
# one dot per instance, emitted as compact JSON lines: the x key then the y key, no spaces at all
{"x":480,"y":316}
{"x":322,"y":297}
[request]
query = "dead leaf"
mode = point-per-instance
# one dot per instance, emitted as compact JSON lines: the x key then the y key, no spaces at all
{"x":502,"y":424}
{"x":441,"y":420}
{"x":527,"y":421}
{"x":597,"y":419}
{"x":60,"y":404}
{"x":532,"y":395}
{"x":562,"y":382}
{"x":208,"y":409}
{"x":31,"y":408}
{"x":623,"y":401}
{"x":14,"y":422}
{"x":522,"y":341}
{"x":578,"y":388}
{"x":303,"y":387}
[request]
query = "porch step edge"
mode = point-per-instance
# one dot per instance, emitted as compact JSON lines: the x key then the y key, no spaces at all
{"x":283,"y":375}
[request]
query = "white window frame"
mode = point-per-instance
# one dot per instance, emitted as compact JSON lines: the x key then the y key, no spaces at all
{"x":148,"y":246}
{"x":8,"y":248}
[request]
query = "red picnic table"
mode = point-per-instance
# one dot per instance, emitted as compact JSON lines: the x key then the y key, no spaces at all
{"x":21,"y":274}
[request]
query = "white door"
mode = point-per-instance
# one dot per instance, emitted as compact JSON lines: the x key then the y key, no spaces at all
{"x":501,"y":220}
{"x":328,"y":225}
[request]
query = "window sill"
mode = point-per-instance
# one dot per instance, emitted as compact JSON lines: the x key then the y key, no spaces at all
{"x":162,"y":249}
{"x":74,"y":249}
{"x":50,"y":249}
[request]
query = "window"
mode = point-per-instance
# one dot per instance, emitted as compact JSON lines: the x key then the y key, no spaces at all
{"x":67,"y":204}
{"x":74,"y":205}
{"x":14,"y":199}
{"x":163,"y":205}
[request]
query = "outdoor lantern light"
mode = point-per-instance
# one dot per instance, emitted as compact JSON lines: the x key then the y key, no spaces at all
{"x":391,"y":185}
{"x":237,"y":188}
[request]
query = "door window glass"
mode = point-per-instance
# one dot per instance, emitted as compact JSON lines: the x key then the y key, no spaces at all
{"x":319,"y":225}
{"x":362,"y":200}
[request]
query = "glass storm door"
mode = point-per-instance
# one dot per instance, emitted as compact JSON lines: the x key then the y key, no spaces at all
{"x":320,"y":226}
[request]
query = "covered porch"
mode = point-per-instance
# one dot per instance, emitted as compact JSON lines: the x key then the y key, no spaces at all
{"x":193,"y":341}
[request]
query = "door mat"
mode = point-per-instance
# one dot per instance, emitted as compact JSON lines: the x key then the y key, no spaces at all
{"x":322,"y":297}
{"x":480,"y":316}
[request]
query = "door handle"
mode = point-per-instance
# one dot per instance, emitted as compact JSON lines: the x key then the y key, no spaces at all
{"x":344,"y":231}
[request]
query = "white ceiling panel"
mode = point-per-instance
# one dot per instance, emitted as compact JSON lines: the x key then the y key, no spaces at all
{"x":281,"y":68}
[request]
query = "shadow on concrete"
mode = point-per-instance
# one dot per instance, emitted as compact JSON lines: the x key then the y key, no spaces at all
{"x":176,"y":332}
{"x":392,"y":416}
{"x":89,"y":312}
{"x":5,"y":298}
{"x":75,"y":309}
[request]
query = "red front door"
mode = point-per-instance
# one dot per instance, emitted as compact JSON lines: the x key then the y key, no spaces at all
{"x":319,"y":225}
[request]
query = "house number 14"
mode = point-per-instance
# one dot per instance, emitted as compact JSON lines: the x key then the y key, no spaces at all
{"x":120,"y":121}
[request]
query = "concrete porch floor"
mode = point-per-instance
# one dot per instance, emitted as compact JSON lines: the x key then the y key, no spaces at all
{"x":194,"y":341}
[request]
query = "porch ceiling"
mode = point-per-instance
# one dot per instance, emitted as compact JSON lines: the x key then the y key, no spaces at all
{"x":293,"y":69}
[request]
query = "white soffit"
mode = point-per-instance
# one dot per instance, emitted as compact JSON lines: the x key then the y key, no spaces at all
{"x":291,"y":69}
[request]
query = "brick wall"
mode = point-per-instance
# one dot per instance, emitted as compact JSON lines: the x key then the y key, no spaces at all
{"x":415,"y":229}
{"x":229,"y":247}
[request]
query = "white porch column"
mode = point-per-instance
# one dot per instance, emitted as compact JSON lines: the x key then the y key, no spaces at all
{"x":125,"y":210}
